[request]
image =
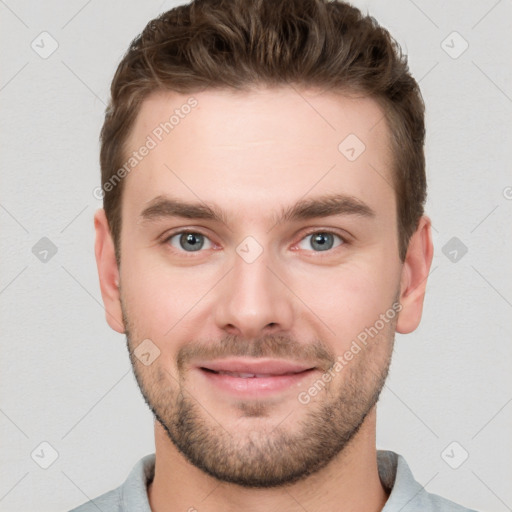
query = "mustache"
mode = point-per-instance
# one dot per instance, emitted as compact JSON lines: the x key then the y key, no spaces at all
{"x":268,"y":346}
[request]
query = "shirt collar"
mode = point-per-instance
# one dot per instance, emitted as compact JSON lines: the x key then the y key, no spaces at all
{"x":394,"y":473}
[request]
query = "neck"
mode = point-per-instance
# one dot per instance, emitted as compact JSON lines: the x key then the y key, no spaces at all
{"x":348,"y":483}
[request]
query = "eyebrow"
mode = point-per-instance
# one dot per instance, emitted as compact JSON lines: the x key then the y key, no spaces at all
{"x":325,"y":206}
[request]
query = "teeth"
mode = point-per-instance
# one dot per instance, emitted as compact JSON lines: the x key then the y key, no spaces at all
{"x":243,"y":375}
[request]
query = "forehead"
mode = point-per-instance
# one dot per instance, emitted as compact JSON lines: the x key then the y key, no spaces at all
{"x":254,"y":152}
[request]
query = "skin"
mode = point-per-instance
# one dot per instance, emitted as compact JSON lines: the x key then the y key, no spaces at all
{"x":251,"y":154}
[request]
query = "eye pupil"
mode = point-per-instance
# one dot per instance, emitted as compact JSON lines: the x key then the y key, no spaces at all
{"x":191,"y":241}
{"x":322,"y":241}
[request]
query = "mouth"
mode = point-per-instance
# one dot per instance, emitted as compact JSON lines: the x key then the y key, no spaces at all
{"x":245,"y":375}
{"x":254,"y":377}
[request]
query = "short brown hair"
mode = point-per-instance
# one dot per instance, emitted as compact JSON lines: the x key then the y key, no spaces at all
{"x":239,"y":44}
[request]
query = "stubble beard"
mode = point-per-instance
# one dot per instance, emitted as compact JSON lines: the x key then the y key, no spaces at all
{"x":269,"y":454}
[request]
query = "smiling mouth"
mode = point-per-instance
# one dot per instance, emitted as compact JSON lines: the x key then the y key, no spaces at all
{"x":253,"y":379}
{"x":245,"y":375}
{"x":246,"y":367}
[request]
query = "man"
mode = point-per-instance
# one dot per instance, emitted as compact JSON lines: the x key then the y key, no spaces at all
{"x":262,"y":240}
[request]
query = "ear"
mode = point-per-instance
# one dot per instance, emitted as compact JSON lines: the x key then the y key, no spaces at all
{"x":108,"y":272}
{"x":413,"y":280}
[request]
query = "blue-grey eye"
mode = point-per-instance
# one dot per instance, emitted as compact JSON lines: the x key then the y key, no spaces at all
{"x":189,"y":241}
{"x":321,"y":241}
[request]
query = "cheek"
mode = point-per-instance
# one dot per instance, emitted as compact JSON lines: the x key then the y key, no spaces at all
{"x":351,"y":297}
{"x":161,"y":298}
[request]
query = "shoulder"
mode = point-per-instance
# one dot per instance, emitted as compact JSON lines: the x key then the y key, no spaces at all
{"x":108,"y":502}
{"x":131,"y":495}
{"x":405,"y":492}
{"x":428,"y":501}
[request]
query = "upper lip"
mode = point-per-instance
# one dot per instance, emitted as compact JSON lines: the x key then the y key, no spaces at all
{"x":256,"y":366}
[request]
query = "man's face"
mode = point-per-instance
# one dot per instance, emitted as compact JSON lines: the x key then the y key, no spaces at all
{"x":256,"y":292}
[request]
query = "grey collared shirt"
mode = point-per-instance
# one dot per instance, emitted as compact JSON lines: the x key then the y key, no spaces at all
{"x":406,"y":494}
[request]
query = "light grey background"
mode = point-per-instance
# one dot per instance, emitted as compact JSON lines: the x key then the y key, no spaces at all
{"x":66,"y":377}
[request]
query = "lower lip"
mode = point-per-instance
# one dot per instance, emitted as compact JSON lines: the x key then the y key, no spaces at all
{"x":255,"y":386}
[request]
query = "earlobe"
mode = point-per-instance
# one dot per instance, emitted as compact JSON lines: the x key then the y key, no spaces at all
{"x":108,"y":272}
{"x":415,"y":272}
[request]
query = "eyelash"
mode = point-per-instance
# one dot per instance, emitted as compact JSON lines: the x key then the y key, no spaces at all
{"x":344,"y":241}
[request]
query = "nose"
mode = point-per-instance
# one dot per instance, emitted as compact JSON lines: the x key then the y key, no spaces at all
{"x":252,"y":300}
